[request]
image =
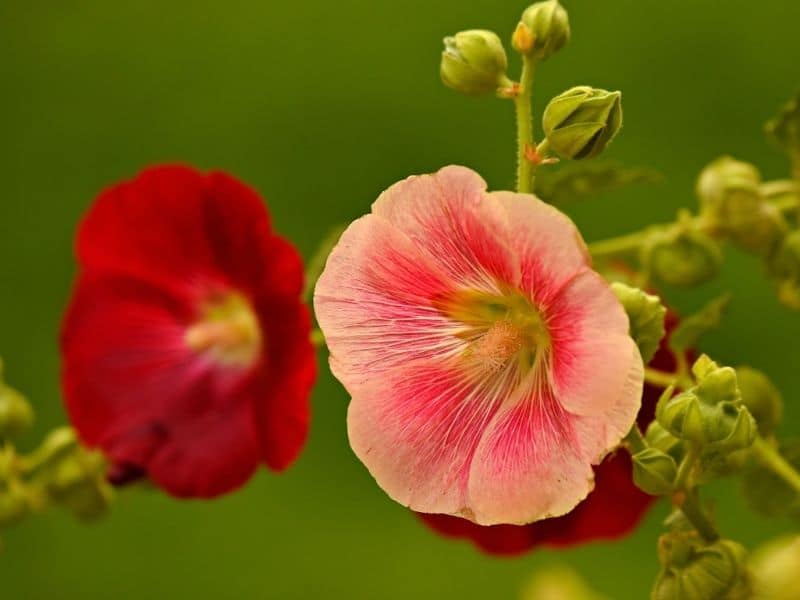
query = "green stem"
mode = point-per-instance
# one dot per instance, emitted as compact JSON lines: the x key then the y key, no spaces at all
{"x":522,"y":104}
{"x":686,"y":466}
{"x":634,"y":440}
{"x":660,"y":378}
{"x":694,"y":512}
{"x":776,"y":463}
{"x":625,"y":244}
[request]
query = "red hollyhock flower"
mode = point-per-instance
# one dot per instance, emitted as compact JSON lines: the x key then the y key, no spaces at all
{"x":612,"y":510}
{"x":186,"y":348}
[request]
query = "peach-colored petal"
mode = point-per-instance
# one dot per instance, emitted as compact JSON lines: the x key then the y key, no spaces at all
{"x":449,"y":216}
{"x":529,"y":464}
{"x":549,"y":246}
{"x":374,"y":301}
{"x":595,"y":364}
{"x":416,"y":429}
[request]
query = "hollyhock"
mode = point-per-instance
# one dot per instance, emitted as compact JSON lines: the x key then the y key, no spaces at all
{"x":186,"y":351}
{"x":612,"y":510}
{"x":489,"y":366}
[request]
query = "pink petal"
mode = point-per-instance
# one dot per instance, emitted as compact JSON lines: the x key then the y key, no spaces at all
{"x":375,"y":303}
{"x":451,"y":218}
{"x":549,"y":246}
{"x":416,"y":429}
{"x":596,"y":366}
{"x":529,"y":464}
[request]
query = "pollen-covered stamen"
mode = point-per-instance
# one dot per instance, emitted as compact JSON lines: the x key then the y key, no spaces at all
{"x":497,"y":346}
{"x":227,"y":332}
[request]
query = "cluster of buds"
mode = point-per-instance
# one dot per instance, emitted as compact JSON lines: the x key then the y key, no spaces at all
{"x":710,"y":414}
{"x":694,"y":569}
{"x":715,"y":417}
{"x":681,"y":254}
{"x":578,"y":124}
{"x":58,"y":472}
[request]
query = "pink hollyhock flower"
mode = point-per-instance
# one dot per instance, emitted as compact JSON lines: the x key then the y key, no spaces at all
{"x":186,"y":351}
{"x":489,"y":366}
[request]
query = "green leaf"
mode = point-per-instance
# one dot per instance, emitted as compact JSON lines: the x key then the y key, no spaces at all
{"x":576,"y":181}
{"x":317,"y":262}
{"x":768,"y":494}
{"x":686,"y":334}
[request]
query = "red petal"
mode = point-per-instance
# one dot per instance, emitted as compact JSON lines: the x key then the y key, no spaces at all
{"x":282,"y":409}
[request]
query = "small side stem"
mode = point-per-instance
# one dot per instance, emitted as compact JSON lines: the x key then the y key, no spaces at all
{"x":522,"y":104}
{"x":697,"y":517}
{"x":634,"y":440}
{"x":776,"y":463}
{"x":624,"y":244}
{"x":686,"y":466}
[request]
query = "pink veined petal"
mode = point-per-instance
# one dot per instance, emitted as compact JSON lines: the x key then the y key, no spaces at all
{"x":449,"y":216}
{"x":595,"y":365}
{"x":549,"y":246}
{"x":375,"y":303}
{"x":416,"y":429}
{"x":529,"y":464}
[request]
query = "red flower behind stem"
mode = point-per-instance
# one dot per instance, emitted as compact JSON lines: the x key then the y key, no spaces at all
{"x":612,"y":510}
{"x":186,"y":350}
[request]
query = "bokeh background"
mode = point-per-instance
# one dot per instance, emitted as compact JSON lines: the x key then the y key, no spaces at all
{"x":320,"y":106}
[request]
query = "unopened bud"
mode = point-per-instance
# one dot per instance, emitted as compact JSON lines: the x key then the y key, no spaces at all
{"x":16,"y":414}
{"x":776,"y":569}
{"x":13,"y":505}
{"x":785,"y":267}
{"x":582,"y":121}
{"x":645,"y":317}
{"x":681,"y":255}
{"x":710,"y":414}
{"x":693,"y":570}
{"x":548,"y":26}
{"x":658,"y":437}
{"x":654,"y":471}
{"x":761,"y":398}
{"x":784,"y":129}
{"x":77,"y":482}
{"x":473,"y":62}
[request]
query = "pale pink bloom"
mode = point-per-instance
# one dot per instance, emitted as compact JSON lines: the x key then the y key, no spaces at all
{"x":489,"y":366}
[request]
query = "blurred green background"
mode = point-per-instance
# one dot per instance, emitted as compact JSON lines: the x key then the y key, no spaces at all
{"x":320,"y":106}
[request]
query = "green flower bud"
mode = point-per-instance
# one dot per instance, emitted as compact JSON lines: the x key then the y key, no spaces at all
{"x":710,"y":414}
{"x":785,"y":267}
{"x":763,"y":236}
{"x":78,"y":483}
{"x":682,"y":416}
{"x":692,"y":570}
{"x":776,"y":569}
{"x":558,"y":582}
{"x":681,"y":256}
{"x":661,"y":439}
{"x":654,"y":471}
{"x":16,"y":414}
{"x":784,"y":129}
{"x":645,"y":317}
{"x":548,"y":25}
{"x":719,"y":177}
{"x":761,"y":398}
{"x":13,"y":505}
{"x":473,"y":62}
{"x":582,"y":121}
